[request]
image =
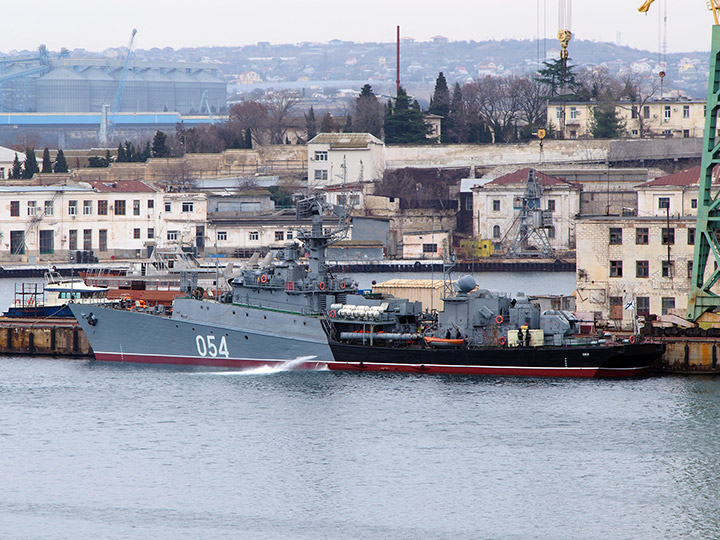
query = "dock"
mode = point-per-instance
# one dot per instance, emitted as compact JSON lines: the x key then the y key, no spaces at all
{"x":46,"y":337}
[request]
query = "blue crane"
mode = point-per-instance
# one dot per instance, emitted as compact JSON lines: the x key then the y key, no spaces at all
{"x":121,"y":86}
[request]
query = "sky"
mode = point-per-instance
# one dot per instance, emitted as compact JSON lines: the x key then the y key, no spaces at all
{"x":95,"y":25}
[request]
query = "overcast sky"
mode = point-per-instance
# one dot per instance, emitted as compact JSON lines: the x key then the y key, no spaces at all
{"x":98,"y":24}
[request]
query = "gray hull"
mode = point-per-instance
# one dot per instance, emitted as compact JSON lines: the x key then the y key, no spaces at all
{"x":205,"y":333}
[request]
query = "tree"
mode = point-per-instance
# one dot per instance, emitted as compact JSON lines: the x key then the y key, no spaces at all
{"x":368,"y":115}
{"x":493,"y":99}
{"x":279,"y":107}
{"x":251,"y":115}
{"x":31,"y":166}
{"x":327,"y":125}
{"x":405,"y":123}
{"x":121,"y":157}
{"x":606,"y":123}
{"x":159,"y":145}
{"x":16,"y":171}
{"x":46,"y":162}
{"x":310,"y":123}
{"x":531,"y":103}
{"x":557,"y":79}
{"x":455,"y":129}
{"x":60,"y":163}
{"x":248,"y":139}
{"x":440,"y":100}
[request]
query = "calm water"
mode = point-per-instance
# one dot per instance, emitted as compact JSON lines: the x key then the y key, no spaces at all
{"x":92,"y":451}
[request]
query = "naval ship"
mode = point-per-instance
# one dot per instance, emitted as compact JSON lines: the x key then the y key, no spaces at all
{"x":273,"y":315}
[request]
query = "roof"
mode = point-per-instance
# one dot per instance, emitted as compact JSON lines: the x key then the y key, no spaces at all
{"x":345,"y":140}
{"x":121,"y":186}
{"x":687,"y":177}
{"x":520,"y":177}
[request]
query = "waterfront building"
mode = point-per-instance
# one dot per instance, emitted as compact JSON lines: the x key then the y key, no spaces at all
{"x":337,"y":159}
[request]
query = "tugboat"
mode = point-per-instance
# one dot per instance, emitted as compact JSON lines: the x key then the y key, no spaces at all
{"x":272,"y":315}
{"x":481,"y":333}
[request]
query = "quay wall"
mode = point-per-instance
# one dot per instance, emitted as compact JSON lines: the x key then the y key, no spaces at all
{"x":692,"y":355}
{"x":33,"y":337}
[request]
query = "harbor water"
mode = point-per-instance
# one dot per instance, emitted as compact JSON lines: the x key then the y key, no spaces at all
{"x":93,"y":450}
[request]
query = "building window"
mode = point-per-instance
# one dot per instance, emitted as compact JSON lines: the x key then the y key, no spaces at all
{"x":429,"y":248}
{"x":691,"y":236}
{"x":686,"y":111}
{"x":120,"y":208}
{"x":668,"y":236}
{"x":551,"y":205}
{"x":667,"y":112}
{"x":551,"y":232}
{"x":188,"y":206}
{"x":642,"y":235}
{"x":693,"y":203}
{"x":102,"y":208}
{"x":574,"y":113}
{"x":289,"y":235}
{"x":72,"y":208}
{"x":642,"y":306}
{"x":102,"y":240}
{"x":616,"y":269}
{"x":49,"y":208}
{"x":72,"y":239}
{"x":642,"y":269}
{"x":14,"y":208}
{"x":321,"y":174}
{"x":668,"y":303}
{"x":668,"y":269}
{"x":87,"y":208}
{"x":468,"y":203}
{"x":168,"y":207}
{"x":496,"y":205}
{"x":87,"y":239}
{"x":321,"y":156}
{"x":496,"y":231}
{"x":172,"y":235}
{"x":151,"y":233}
{"x":616,"y":307}
{"x":689,"y":269}
{"x":222,"y":236}
{"x":47,"y":245}
{"x":646,"y":111}
{"x":32,"y":208}
{"x":17,"y":242}
{"x":254,"y":235}
{"x":136,"y":207}
{"x":151,"y":204}
{"x":663,"y":203}
{"x":615,"y":235}
{"x":634,"y":112}
{"x":136,"y":234}
{"x":354,"y":199}
{"x":279,"y":236}
{"x":558,"y":112}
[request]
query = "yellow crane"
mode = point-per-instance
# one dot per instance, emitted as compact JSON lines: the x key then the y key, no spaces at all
{"x":713,"y":5}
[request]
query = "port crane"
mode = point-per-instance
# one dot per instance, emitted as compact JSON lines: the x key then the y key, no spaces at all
{"x":107,"y":125}
{"x":707,"y":231}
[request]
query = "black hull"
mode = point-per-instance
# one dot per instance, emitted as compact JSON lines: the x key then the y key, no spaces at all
{"x":606,"y":361}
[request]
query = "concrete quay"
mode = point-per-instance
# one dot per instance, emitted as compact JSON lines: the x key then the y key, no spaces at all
{"x":43,"y":337}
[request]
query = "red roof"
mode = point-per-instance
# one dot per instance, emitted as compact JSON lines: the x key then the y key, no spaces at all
{"x":688,"y":177}
{"x":520,"y":177}
{"x":121,"y":186}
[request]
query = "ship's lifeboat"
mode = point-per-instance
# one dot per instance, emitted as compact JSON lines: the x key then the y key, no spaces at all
{"x":444,"y":343}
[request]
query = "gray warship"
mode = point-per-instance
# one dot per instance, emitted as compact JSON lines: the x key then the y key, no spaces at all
{"x":273,"y":315}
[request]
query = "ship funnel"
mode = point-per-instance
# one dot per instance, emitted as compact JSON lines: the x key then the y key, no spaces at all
{"x":465,"y":284}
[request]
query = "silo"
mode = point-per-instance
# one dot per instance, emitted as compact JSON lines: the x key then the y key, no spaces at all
{"x":103,"y":88}
{"x":161,"y":91}
{"x":19,"y":94}
{"x":63,"y":90}
{"x":187,"y":91}
{"x":216,"y":89}
{"x":135,"y":94}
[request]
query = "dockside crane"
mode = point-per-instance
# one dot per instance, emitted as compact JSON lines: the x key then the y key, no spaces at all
{"x":707,"y":231}
{"x":107,"y":125}
{"x":564,"y":36}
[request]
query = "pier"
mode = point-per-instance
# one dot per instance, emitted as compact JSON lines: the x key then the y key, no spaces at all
{"x":43,"y":337}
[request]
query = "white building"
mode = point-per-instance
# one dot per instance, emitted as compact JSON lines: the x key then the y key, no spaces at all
{"x":335,"y":159}
{"x":7,"y":156}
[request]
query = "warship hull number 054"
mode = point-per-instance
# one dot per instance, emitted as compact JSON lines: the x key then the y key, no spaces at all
{"x":295,"y":310}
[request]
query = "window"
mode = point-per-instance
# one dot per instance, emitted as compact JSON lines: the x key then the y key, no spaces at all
{"x":668,"y":236}
{"x":686,"y":111}
{"x":168,"y":207}
{"x":120,"y":208}
{"x":102,"y":208}
{"x":151,"y":204}
{"x":49,"y":209}
{"x":663,"y":202}
{"x":642,"y":305}
{"x":558,"y":112}
{"x":136,"y":234}
{"x":615,"y":268}
{"x":496,"y":231}
{"x":136,"y":207}
{"x":72,"y":239}
{"x":574,"y":113}
{"x":686,"y":133}
{"x":17,"y":242}
{"x":646,"y":111}
{"x":551,"y":205}
{"x":321,"y":174}
{"x":87,"y":239}
{"x":172,"y":235}
{"x":689,"y":269}
{"x":341,"y":200}
{"x":14,"y":208}
{"x":188,"y":206}
{"x":642,"y":269}
{"x":279,"y":236}
{"x":289,"y":235}
{"x":87,"y":208}
{"x":634,"y":112}
{"x":72,"y":208}
{"x":151,"y":233}
{"x":47,"y":245}
{"x":468,"y":203}
{"x":254,"y":235}
{"x":102,"y":240}
{"x":642,"y":235}
{"x":667,"y":112}
{"x":222,"y":236}
{"x":354,"y":199}
{"x":32,"y":208}
{"x":615,"y":235}
{"x":691,"y":236}
{"x":496,"y":205}
{"x":321,"y":156}
{"x":616,"y":307}
{"x":429,"y":248}
{"x":551,"y":232}
{"x":668,"y":269}
{"x":668,"y":303}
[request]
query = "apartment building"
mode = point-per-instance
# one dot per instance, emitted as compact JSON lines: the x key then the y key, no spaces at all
{"x":336,"y":159}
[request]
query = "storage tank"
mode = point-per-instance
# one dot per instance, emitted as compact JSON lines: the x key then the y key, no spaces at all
{"x":135,"y":92}
{"x":63,"y":90}
{"x":103,"y":88}
{"x":161,"y":91}
{"x":187,"y":91}
{"x":215,"y":87}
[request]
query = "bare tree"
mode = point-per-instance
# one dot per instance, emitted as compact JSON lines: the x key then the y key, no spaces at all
{"x":279,"y":107}
{"x":251,"y":115}
{"x":497,"y":105}
{"x":639,"y":90}
{"x":597,"y":83}
{"x":531,"y":100}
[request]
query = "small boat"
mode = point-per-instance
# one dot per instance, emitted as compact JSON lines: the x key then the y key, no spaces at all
{"x":443,"y":343}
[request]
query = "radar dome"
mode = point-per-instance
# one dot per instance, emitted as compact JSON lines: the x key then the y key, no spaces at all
{"x":465,"y":284}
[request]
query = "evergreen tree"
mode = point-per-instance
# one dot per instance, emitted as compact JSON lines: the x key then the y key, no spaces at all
{"x":558,"y":79}
{"x":121,"y":156}
{"x":455,"y":128}
{"x":16,"y":171}
{"x":248,"y":139}
{"x":406,"y":124}
{"x":440,"y":101}
{"x":146,"y":153}
{"x":606,"y":123}
{"x":310,"y":123}
{"x":369,"y":115}
{"x":47,"y":163}
{"x":31,"y":166}
{"x":130,"y":152}
{"x":328,"y":124}
{"x":159,"y":145}
{"x":60,"y":163}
